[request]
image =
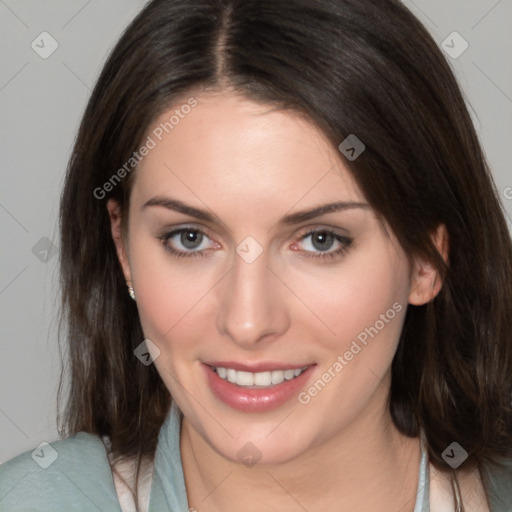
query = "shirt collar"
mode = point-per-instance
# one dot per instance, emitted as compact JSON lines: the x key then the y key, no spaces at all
{"x":168,"y":492}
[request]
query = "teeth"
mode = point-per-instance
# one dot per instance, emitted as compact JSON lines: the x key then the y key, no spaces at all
{"x":262,"y":379}
{"x":277,"y":376}
{"x":231,"y":375}
{"x":244,"y":379}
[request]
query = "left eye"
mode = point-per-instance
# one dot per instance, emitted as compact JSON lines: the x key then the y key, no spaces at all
{"x":320,"y":241}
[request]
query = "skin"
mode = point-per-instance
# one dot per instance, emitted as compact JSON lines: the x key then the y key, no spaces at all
{"x":250,"y":164}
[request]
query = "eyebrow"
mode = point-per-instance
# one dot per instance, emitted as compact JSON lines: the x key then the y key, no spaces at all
{"x":290,"y":219}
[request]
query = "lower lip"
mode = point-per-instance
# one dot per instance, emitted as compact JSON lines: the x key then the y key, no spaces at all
{"x":255,"y":400}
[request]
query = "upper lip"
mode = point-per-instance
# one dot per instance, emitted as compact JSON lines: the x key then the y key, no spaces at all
{"x":257,"y":367}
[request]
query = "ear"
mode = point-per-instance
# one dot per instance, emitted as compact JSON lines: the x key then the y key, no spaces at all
{"x":425,"y":280}
{"x":114,"y":211}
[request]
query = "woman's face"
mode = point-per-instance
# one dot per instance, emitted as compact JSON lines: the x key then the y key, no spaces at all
{"x":257,"y":285}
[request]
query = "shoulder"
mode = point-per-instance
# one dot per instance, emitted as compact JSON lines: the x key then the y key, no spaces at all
{"x":72,"y":474}
{"x":497,"y":479}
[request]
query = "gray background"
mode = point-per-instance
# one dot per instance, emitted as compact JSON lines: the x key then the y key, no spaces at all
{"x":41,"y":103}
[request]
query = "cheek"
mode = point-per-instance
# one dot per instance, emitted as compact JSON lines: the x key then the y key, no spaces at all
{"x":167,"y":304}
{"x":364,"y":305}
{"x":364,"y":296}
{"x":371,"y":309}
{"x":170,"y":298}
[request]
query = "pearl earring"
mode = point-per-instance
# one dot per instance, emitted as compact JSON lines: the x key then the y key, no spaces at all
{"x":131,"y":292}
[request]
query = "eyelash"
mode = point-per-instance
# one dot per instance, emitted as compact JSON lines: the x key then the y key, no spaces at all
{"x":345,"y":242}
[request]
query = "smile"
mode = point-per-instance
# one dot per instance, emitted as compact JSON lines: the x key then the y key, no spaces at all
{"x":259,"y":379}
{"x":272,"y":386}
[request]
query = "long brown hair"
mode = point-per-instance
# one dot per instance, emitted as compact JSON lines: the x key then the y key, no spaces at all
{"x":364,"y":67}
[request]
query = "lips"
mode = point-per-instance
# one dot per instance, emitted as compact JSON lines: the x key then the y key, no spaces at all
{"x":244,"y":394}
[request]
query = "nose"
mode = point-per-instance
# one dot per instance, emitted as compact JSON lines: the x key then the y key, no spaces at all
{"x":252,"y":304}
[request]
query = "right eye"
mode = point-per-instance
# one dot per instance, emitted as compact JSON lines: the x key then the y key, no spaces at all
{"x":185,"y":242}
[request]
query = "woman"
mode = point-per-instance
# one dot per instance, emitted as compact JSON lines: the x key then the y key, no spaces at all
{"x":279,"y":215}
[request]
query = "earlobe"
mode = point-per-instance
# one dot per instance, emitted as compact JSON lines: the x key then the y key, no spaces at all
{"x":114,"y":211}
{"x":426,"y":282}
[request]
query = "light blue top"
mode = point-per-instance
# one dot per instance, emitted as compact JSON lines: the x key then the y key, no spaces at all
{"x":80,"y":478}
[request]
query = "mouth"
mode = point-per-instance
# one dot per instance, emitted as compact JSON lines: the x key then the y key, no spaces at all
{"x":257,"y":380}
{"x":256,"y":388}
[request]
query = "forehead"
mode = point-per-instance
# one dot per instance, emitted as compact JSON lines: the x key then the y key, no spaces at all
{"x":231,"y":146}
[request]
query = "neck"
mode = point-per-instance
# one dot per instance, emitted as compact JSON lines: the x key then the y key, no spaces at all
{"x":369,"y":465}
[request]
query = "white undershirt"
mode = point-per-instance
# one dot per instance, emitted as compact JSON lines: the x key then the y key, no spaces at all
{"x":127,"y":469}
